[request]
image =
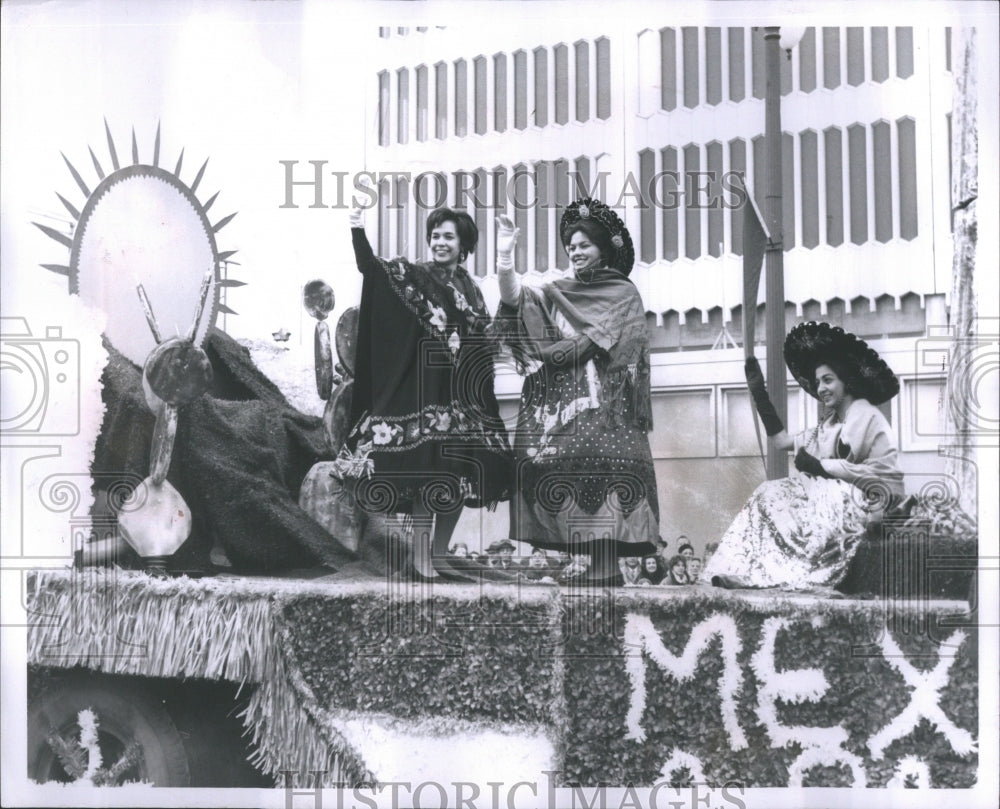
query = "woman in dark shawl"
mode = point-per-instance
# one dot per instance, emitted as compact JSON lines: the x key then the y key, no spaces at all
{"x":426,"y":421}
{"x":584,"y":478}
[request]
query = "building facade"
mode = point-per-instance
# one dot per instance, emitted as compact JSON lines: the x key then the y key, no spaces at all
{"x":666,"y":123}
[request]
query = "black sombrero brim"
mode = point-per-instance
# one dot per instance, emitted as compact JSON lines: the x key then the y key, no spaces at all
{"x":810,"y":344}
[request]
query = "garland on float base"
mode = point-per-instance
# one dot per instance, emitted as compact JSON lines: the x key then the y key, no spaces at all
{"x":760,"y":689}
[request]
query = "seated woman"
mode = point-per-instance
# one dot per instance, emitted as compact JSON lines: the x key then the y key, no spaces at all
{"x":802,"y":531}
{"x":585,"y":480}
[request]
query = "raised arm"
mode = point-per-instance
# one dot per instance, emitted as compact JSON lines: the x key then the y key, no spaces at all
{"x":364,"y":256}
{"x":778,"y":437}
{"x":507,"y":279}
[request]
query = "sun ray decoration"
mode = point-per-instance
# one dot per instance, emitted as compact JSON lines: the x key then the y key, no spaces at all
{"x":141,"y":225}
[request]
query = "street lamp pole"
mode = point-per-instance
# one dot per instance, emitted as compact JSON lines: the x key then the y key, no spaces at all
{"x":774,"y":307}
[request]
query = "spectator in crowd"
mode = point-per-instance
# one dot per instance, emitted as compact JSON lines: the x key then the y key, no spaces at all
{"x":559,"y":563}
{"x":677,"y":570}
{"x":503,"y":558}
{"x":536,"y":567}
{"x":576,"y":569}
{"x":631,"y":569}
{"x":710,"y":548}
{"x":685,"y":548}
{"x":653,"y":571}
{"x":693,"y":569}
{"x":460,"y":550}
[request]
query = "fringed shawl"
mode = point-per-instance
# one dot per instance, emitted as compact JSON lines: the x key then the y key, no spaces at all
{"x":609,"y":311}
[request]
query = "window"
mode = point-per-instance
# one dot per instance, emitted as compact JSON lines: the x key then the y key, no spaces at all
{"x":520,"y":90}
{"x":479,"y":79}
{"x":689,"y":47}
{"x":403,"y":105}
{"x":541,"y":110}
{"x":713,"y":65}
{"x":907,"y":136}
{"x":582,"y":53}
{"x":603,"y":48}
{"x":500,"y":92}
{"x":858,"y":182}
{"x":737,"y":64}
{"x":808,"y":146}
{"x":440,"y":100}
{"x":461,"y":98}
{"x":422,"y":103}
{"x":562,"y":83}
{"x":383,"y":108}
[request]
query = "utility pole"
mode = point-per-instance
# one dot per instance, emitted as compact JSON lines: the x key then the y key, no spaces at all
{"x":774,"y":267}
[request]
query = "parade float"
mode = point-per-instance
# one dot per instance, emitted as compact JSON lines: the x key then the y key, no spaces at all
{"x":208,"y":642}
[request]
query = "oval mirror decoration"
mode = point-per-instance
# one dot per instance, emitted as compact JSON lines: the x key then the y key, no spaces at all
{"x":346,"y":338}
{"x":144,"y":226}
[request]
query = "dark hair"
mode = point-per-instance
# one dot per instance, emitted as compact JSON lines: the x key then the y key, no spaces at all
{"x":845,"y":371}
{"x":680,"y":550}
{"x":468,"y":233}
{"x":594,"y":231}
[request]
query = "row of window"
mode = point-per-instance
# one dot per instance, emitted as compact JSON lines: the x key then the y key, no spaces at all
{"x":678,"y":68}
{"x":548,"y":85}
{"x":840,"y":185}
{"x":697,"y":66}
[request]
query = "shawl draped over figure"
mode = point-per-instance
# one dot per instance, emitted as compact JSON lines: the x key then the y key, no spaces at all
{"x":584,"y":470}
{"x":423,"y":408}
{"x":803,"y":531}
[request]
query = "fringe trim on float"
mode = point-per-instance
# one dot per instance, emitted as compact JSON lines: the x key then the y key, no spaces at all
{"x":199,"y":629}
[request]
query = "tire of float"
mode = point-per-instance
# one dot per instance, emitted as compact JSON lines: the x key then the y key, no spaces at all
{"x":123,"y":710}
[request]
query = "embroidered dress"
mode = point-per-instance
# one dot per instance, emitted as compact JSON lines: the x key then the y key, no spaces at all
{"x":803,"y":531}
{"x":423,"y":409}
{"x":584,"y":467}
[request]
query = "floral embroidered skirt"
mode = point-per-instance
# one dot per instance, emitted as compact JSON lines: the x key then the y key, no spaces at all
{"x":796,"y":532}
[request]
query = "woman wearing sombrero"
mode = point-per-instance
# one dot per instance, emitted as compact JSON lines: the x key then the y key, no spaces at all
{"x":803,"y":530}
{"x":585,"y":480}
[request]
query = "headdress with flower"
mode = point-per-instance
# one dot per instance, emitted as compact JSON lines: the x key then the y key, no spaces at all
{"x":596,"y":211}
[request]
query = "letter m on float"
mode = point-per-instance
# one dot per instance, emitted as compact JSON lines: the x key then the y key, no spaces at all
{"x":642,"y":641}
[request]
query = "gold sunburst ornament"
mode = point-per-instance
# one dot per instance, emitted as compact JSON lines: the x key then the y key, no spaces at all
{"x":142,"y":226}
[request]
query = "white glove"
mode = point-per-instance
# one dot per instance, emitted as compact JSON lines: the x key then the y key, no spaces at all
{"x":510,"y":284}
{"x":506,"y":236}
{"x":357,"y":215}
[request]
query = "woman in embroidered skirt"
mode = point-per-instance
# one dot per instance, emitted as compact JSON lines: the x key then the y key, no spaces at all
{"x":802,"y":531}
{"x":426,"y":420}
{"x":584,"y":472}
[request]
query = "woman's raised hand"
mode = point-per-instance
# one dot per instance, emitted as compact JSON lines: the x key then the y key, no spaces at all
{"x":357,"y":214}
{"x":506,"y":235}
{"x":755,"y":382}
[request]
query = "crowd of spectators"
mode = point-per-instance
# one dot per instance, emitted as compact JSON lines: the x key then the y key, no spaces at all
{"x":663,"y":569}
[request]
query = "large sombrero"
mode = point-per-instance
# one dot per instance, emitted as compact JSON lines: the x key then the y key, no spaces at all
{"x":597,"y":211}
{"x":811,"y":344}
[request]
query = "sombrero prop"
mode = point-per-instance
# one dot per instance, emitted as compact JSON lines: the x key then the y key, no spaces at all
{"x":597,"y":211}
{"x":811,"y":344}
